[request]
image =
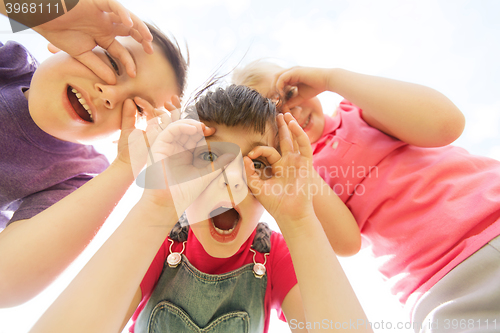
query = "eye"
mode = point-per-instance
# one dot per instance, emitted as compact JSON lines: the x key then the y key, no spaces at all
{"x":208,"y":156}
{"x":290,"y":93}
{"x":113,"y":63}
{"x":263,"y":170}
{"x":139,"y":110}
{"x":258,"y":164}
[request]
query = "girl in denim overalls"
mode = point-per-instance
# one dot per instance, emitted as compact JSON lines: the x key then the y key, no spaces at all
{"x":229,"y":271}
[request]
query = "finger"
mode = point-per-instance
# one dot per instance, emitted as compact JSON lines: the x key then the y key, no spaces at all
{"x":138,"y":30}
{"x":147,"y":109}
{"x":119,"y":51}
{"x":288,"y":117}
{"x":283,"y":79}
{"x":98,"y":66}
{"x":254,"y":182}
{"x":147,"y":46}
{"x":116,"y":8}
{"x":52,"y":48}
{"x":176,"y":101}
{"x":180,"y":132}
{"x":301,"y":138}
{"x":128,"y":115}
{"x":270,"y":153}
{"x":141,"y":27}
{"x":302,"y":90}
{"x":284,"y":136}
{"x":175,"y":114}
{"x":155,"y":126}
{"x":208,"y":131}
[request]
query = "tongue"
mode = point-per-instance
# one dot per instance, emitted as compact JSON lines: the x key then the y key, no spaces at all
{"x":77,"y":106}
{"x":224,"y":219}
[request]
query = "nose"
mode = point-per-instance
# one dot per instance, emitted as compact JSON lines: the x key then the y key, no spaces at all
{"x":110,"y":95}
{"x":233,"y":176}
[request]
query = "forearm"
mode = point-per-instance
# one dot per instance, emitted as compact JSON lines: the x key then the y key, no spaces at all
{"x":44,"y":245}
{"x":410,"y":112}
{"x":99,"y":297}
{"x":325,"y":291}
{"x":338,"y":223}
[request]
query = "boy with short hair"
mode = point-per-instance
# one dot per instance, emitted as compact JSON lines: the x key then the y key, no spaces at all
{"x":48,"y":112}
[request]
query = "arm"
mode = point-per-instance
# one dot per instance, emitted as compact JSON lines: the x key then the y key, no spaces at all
{"x":105,"y":300}
{"x":336,"y":219}
{"x":106,"y":290}
{"x":89,"y":24}
{"x":44,"y":245}
{"x":324,"y":292}
{"x":412,"y":113}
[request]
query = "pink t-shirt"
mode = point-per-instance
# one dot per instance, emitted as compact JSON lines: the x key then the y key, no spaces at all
{"x":422,"y":210}
{"x":279,"y":269}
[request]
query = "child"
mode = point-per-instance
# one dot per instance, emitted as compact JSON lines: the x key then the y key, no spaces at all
{"x":47,"y":112}
{"x":214,"y":285}
{"x":430,"y":211}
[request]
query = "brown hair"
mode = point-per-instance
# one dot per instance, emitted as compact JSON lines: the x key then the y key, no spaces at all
{"x":235,"y":105}
{"x":174,"y":55}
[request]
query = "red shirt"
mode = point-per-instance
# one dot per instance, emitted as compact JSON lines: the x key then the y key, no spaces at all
{"x":280,"y":273}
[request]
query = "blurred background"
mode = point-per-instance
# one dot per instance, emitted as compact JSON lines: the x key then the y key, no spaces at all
{"x":450,"y":45}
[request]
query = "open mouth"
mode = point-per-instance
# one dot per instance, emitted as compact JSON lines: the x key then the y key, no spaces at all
{"x":79,"y":104}
{"x":224,"y":222}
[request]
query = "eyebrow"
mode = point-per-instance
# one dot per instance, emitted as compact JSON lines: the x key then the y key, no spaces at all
{"x":147,"y":98}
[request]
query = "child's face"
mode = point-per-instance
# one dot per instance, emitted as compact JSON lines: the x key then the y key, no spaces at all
{"x":309,"y":114}
{"x":56,"y":109}
{"x":223,"y":235}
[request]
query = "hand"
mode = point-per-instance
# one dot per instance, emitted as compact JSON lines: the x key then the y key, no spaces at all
{"x":287,"y":193}
{"x":177,"y":174}
{"x":308,"y":81}
{"x":134,"y":145}
{"x":94,"y":23}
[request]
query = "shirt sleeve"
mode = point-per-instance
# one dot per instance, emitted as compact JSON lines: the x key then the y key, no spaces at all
{"x":15,"y":61}
{"x":283,"y":274}
{"x":39,"y":201}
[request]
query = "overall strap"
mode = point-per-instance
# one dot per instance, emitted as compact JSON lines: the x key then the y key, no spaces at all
{"x":261,"y":242}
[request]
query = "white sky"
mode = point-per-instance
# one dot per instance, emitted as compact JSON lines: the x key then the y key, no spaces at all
{"x":452,"y":46}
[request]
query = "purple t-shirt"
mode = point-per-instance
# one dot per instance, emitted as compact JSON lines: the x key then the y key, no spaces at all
{"x":36,"y":169}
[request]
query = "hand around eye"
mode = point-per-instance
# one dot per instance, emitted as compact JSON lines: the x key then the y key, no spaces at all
{"x":173,"y":178}
{"x":96,"y":23}
{"x":287,"y":194}
{"x":135,"y":144}
{"x":308,"y":82}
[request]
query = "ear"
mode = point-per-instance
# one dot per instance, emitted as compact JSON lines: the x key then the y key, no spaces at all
{"x":53,"y":49}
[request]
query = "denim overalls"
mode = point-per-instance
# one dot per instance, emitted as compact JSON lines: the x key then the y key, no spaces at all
{"x":187,"y":300}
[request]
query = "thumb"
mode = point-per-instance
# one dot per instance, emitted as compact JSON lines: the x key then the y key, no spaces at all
{"x":52,"y":48}
{"x":128,"y":115}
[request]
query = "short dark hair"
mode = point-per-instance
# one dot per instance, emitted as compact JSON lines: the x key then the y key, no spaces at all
{"x":235,"y":106}
{"x":173,"y":53}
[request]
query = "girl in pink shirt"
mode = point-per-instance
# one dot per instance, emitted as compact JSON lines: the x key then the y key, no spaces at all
{"x":423,"y":205}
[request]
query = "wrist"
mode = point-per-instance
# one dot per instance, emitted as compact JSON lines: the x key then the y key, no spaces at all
{"x":157,"y":213}
{"x":123,"y":168}
{"x":333,"y":77}
{"x":296,"y":225}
